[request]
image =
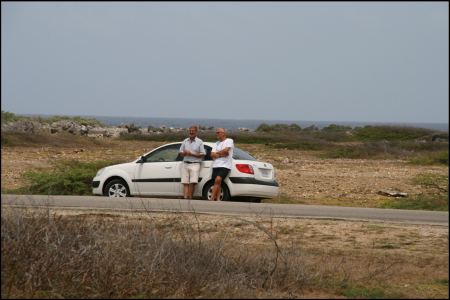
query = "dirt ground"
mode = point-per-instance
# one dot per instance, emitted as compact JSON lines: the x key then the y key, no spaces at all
{"x":302,"y":176}
{"x":409,"y":259}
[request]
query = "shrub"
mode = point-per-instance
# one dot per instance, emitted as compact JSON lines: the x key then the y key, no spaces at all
{"x":278,"y":127}
{"x":50,"y":256}
{"x":391,"y":133}
{"x":68,"y":178}
{"x":433,"y":158}
{"x":419,"y":202}
{"x":337,"y":128}
{"x":77,"y":119}
{"x":366,"y":150}
{"x":9,"y":117}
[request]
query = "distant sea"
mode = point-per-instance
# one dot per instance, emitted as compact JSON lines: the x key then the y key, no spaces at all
{"x":232,"y":124}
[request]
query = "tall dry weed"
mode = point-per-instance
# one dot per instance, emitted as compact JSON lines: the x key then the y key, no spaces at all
{"x":50,"y":256}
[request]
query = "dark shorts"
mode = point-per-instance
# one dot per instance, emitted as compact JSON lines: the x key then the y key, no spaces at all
{"x":222,"y":172}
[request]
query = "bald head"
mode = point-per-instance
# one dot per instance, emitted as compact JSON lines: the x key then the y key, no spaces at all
{"x":220,"y":132}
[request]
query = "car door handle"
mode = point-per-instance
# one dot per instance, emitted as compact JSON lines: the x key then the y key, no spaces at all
{"x":168,"y":167}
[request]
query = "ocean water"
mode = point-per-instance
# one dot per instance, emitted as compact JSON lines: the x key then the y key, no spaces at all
{"x":233,"y":124}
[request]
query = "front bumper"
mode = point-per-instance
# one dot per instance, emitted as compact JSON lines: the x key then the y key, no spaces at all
{"x":97,"y":186}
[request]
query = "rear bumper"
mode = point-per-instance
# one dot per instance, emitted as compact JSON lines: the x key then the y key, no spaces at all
{"x":251,"y":187}
{"x":251,"y":180}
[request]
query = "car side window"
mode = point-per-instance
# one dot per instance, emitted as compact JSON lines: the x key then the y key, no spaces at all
{"x":166,"y":154}
{"x":208,"y":153}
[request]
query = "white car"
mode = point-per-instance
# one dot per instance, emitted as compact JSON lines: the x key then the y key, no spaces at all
{"x":158,"y":173}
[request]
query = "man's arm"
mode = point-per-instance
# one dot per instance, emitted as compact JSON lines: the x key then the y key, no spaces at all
{"x":223,"y":153}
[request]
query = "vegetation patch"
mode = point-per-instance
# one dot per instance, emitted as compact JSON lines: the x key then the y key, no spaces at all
{"x":433,"y":158}
{"x":44,"y":255}
{"x":419,"y":202}
{"x":68,"y":178}
{"x":364,"y":293}
{"x":391,"y":133}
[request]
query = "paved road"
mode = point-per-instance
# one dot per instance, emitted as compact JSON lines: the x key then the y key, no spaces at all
{"x":228,"y":208}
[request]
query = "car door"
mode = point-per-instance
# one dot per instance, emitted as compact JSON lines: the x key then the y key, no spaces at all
{"x":159,"y":172}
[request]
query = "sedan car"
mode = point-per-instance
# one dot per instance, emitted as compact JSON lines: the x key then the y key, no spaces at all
{"x":158,"y":173}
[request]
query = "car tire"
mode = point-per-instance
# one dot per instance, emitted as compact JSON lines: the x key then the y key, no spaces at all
{"x":224,"y":192}
{"x":116,"y":188}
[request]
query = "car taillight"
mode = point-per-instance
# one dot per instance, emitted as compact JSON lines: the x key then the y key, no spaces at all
{"x":245,"y":168}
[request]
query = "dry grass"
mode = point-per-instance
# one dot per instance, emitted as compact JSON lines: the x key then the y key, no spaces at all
{"x":54,"y":254}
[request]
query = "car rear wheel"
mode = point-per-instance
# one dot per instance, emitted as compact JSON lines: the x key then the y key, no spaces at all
{"x":116,"y":188}
{"x":224,"y":192}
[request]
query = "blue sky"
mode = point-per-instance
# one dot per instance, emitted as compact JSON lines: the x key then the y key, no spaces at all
{"x":319,"y":61}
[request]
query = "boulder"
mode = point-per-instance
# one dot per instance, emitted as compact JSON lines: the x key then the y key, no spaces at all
{"x":25,"y":126}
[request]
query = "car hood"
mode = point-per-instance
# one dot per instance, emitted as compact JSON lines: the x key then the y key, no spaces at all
{"x":124,"y":166}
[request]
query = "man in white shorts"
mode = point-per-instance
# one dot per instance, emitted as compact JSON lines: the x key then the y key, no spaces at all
{"x":193,"y":151}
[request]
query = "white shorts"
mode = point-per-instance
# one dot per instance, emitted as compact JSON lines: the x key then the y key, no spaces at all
{"x":190,"y":173}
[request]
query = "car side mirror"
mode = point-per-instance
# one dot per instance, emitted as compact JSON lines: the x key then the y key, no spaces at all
{"x":141,"y":160}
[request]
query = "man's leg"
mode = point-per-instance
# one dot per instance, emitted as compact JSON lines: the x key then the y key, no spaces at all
{"x":186,"y":190}
{"x":191,"y":190}
{"x":216,"y":189}
{"x":185,"y":180}
{"x":193,"y":178}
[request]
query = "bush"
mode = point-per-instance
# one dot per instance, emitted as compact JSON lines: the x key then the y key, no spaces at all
{"x":433,"y":158}
{"x":9,"y":117}
{"x":77,"y":119}
{"x":68,"y":178}
{"x":278,"y":127}
{"x":391,"y":133}
{"x":336,"y":128}
{"x":50,"y":256}
{"x":362,"y":151}
{"x":419,"y":202}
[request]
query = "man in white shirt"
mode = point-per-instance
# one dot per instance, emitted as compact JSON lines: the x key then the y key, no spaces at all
{"x":222,"y":154}
{"x":193,"y":151}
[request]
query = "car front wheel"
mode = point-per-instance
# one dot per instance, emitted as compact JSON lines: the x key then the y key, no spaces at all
{"x":116,"y":188}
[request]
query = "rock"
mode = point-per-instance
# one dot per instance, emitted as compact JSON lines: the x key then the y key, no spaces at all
{"x":84,"y":130}
{"x":391,"y":193}
{"x":66,"y":125}
{"x":22,"y":126}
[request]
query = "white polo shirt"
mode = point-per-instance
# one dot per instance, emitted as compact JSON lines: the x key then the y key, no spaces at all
{"x":223,"y":162}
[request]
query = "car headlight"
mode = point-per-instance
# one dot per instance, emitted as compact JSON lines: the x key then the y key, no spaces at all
{"x":99,"y":172}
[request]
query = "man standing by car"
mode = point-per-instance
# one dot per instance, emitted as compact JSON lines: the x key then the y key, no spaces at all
{"x":193,"y":151}
{"x":222,"y":154}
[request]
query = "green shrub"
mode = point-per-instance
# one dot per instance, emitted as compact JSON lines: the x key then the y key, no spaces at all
{"x":278,"y":127}
{"x":77,"y":119}
{"x":364,"y":293}
{"x":361,"y":151}
{"x":433,"y":158}
{"x":419,"y":202}
{"x":68,"y":178}
{"x":9,"y":117}
{"x":391,"y":133}
{"x":337,"y":128}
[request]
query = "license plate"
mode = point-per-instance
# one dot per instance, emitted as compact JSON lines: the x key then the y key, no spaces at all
{"x":265,"y":173}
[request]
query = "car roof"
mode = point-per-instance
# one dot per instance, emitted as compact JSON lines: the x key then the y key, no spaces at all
{"x":210,"y":144}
